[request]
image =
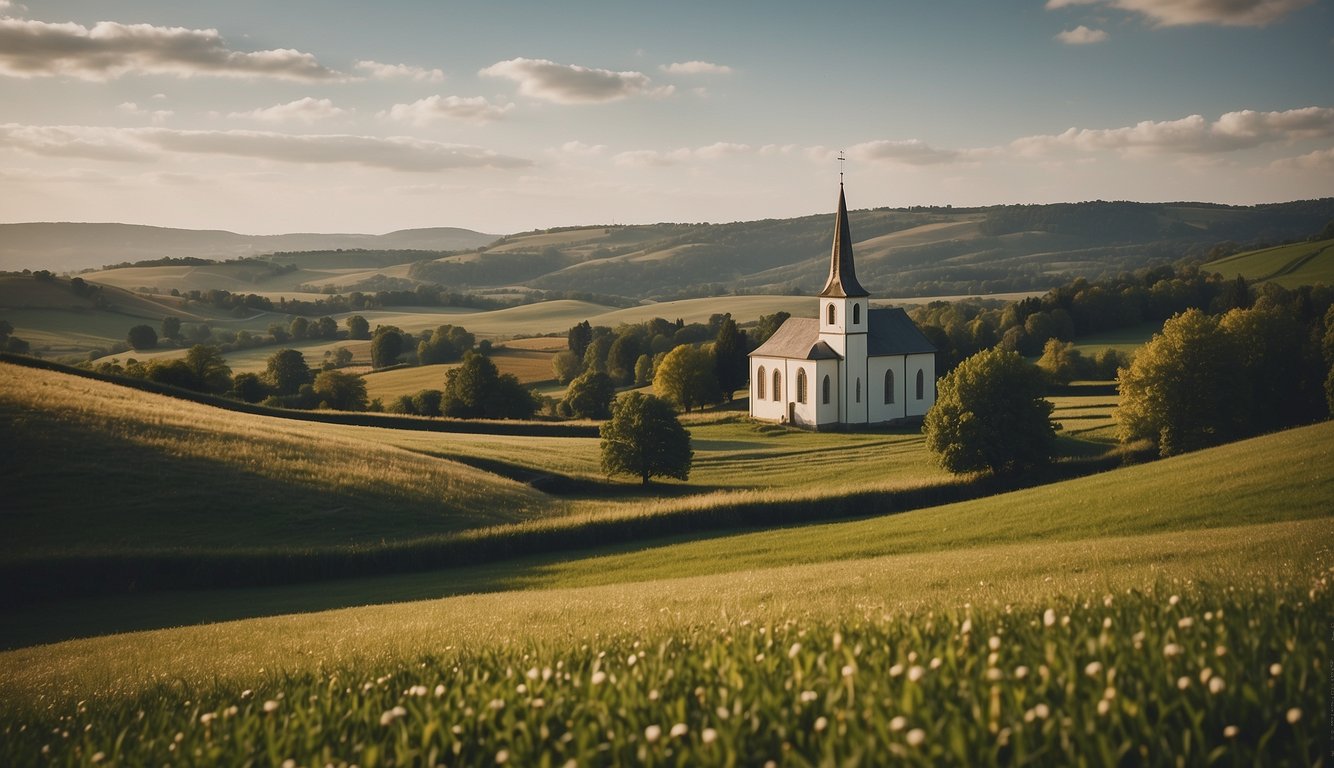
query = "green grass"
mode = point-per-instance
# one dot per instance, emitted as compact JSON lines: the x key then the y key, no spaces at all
{"x":1122,"y":339}
{"x":1307,"y":263}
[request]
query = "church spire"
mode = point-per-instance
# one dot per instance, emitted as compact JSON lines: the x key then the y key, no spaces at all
{"x":842,"y":281}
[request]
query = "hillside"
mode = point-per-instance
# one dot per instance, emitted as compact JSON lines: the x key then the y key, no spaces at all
{"x":1304,"y":263}
{"x":66,"y":246}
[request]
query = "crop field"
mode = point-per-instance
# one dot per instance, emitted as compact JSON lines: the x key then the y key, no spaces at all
{"x":1306,"y":263}
{"x":256,"y":359}
{"x":530,"y":366}
{"x":1086,"y":416}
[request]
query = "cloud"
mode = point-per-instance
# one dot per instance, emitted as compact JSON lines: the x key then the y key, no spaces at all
{"x":569,"y":83}
{"x":696,"y":68}
{"x":1081,"y":35}
{"x":1227,"y":13}
{"x":647,"y":158}
{"x":308,"y":110}
{"x":581,"y":149}
{"x":108,"y":50}
{"x":1191,"y":135}
{"x":146,"y":144}
{"x":1321,"y":160}
{"x":381,"y":71}
{"x":434,"y":108}
{"x":155,"y":116}
{"x":909,"y":152}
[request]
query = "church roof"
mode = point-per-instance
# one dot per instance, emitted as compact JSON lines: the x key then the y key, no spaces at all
{"x":889,"y":332}
{"x":842,"y":281}
{"x":798,"y":338}
{"x":892,"y":332}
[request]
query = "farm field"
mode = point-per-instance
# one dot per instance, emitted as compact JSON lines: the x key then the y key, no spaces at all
{"x":530,"y":365}
{"x":1067,"y":613}
{"x":1305,"y":263}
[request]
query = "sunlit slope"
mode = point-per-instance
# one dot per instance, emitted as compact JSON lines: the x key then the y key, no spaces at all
{"x":1306,"y":263}
{"x":91,"y":467}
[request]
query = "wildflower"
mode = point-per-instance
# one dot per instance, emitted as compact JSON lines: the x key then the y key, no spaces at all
{"x":896,"y":670}
{"x":898,"y":723}
{"x":821,"y":723}
{"x":270,"y":705}
{"x":994,"y":674}
{"x":417,"y":690}
{"x":1171,"y":649}
{"x":1183,"y":683}
{"x":967,"y":627}
{"x":722,"y":713}
{"x":1294,"y":715}
{"x":652,"y":733}
{"x":1216,"y":685}
{"x":207,"y":717}
{"x":440,"y":690}
{"x":99,"y":757}
{"x":537,"y":703}
{"x":1173,"y":600}
{"x":935,"y":662}
{"x":599,"y":677}
{"x":993,"y":643}
{"x":1230,"y":732}
{"x":809,"y":696}
{"x":709,"y":735}
{"x":794,"y":650}
{"x":632,"y":659}
{"x":1107,"y":623}
{"x":1042,"y":711}
{"x":1275,"y":669}
{"x":1107,"y":601}
{"x":1049,"y":618}
{"x":849,"y":670}
{"x":1109,"y":693}
{"x":1020,"y":672}
{"x":916,"y":673}
{"x":1104,"y":706}
{"x":247,"y":693}
{"x":496,"y":704}
{"x":1185,"y":622}
{"x":502,"y":757}
{"x":915,"y":737}
{"x":1093,"y":669}
{"x":679,"y":730}
{"x":231,"y":711}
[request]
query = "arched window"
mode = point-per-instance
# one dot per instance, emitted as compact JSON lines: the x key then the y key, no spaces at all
{"x":759,"y":384}
{"x":825,"y":392}
{"x":778,"y":386}
{"x":856,"y":314}
{"x":921,"y":384}
{"x":889,"y":387}
{"x":801,"y":385}
{"x":859,"y":390}
{"x":830,"y":313}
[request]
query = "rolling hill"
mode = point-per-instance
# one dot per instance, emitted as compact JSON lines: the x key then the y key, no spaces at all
{"x":1305,"y":263}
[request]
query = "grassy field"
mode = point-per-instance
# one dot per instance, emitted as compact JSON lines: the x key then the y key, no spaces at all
{"x":1288,"y":265}
{"x":530,"y":365}
{"x":1000,"y":630}
{"x":1127,"y":340}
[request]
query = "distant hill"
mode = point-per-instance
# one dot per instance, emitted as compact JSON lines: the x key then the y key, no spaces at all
{"x":1290,"y":265}
{"x":73,"y":246}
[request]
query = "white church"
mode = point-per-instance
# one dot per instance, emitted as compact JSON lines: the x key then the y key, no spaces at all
{"x":851,"y":365}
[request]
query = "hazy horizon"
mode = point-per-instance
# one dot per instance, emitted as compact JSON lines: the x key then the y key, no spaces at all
{"x":506,"y":117}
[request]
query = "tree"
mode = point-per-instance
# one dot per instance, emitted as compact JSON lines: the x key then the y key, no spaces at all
{"x":250,"y":387}
{"x":645,"y":439}
{"x":476,"y":389}
{"x":171,"y":328}
{"x":142,"y":337}
{"x":566,"y":365}
{"x":287,"y":371}
{"x":731,"y":365}
{"x":1282,"y":365}
{"x":1185,"y":390}
{"x":990,"y":414}
{"x":358,"y":327}
{"x":386,"y":346}
{"x":341,"y":391}
{"x":643,"y":371}
{"x":209,"y":371}
{"x":621,"y":357}
{"x":767,"y":325}
{"x":590,"y":396}
{"x":579,"y":337}
{"x":445,"y":345}
{"x":325,"y":328}
{"x":1061,"y":363}
{"x":299,"y":328}
{"x":279,"y":333}
{"x":686,"y":378}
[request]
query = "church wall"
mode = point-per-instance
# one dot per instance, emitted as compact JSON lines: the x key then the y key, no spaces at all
{"x":879,"y":410}
{"x":854,"y":373}
{"x":826,"y":413}
{"x":927,"y":364}
{"x":766,"y":407}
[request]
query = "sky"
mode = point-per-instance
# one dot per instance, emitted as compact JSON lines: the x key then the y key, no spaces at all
{"x":264,"y":117}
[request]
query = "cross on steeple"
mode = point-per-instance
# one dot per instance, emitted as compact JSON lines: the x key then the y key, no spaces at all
{"x":841,"y":158}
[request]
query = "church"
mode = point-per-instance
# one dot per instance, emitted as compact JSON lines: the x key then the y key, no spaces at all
{"x":851,"y":365}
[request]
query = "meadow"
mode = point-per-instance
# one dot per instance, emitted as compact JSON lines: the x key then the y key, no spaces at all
{"x":1293,"y":265}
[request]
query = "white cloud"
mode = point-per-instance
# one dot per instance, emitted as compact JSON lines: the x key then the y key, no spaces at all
{"x":308,"y":110}
{"x":146,"y":144}
{"x":1321,"y":160}
{"x":434,"y":108}
{"x":155,"y":116}
{"x":696,"y":68}
{"x":646,"y":158}
{"x":1228,"y":13}
{"x":108,"y":50}
{"x":1081,"y":35}
{"x":1191,"y":135}
{"x":381,"y":71}
{"x":582,"y":149}
{"x":909,"y":152}
{"x":569,"y":83}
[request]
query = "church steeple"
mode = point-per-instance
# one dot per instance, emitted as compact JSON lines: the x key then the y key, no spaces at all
{"x":842,"y":281}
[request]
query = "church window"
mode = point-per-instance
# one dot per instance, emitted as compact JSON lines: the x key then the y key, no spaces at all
{"x":778,"y":386}
{"x":921,"y":384}
{"x":801,"y":385}
{"x":830,"y":313}
{"x":859,"y":390}
{"x":856,"y":314}
{"x":825,"y":392}
{"x":889,"y":387}
{"x":759,"y":384}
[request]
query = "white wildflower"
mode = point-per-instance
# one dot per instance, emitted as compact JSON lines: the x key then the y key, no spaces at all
{"x":679,"y":730}
{"x":915,"y":737}
{"x":1294,"y":715}
{"x":1020,"y":672}
{"x":599,"y":677}
{"x":708,"y":735}
{"x":1230,"y":732}
{"x":1275,"y":670}
{"x":270,"y":705}
{"x":916,"y":673}
{"x":898,"y":723}
{"x":993,"y":643}
{"x":821,"y":723}
{"x":1093,"y":669}
{"x":809,"y":696}
{"x":794,"y":650}
{"x":502,"y":757}
{"x":1216,"y":685}
{"x":652,"y":733}
{"x":1049,"y":618}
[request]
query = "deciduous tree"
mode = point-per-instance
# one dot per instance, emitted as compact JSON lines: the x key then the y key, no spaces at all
{"x":686,"y":377}
{"x":644,"y":438}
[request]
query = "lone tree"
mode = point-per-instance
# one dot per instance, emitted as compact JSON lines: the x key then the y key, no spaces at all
{"x":142,"y":337}
{"x":990,"y":414}
{"x":644,"y":438}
